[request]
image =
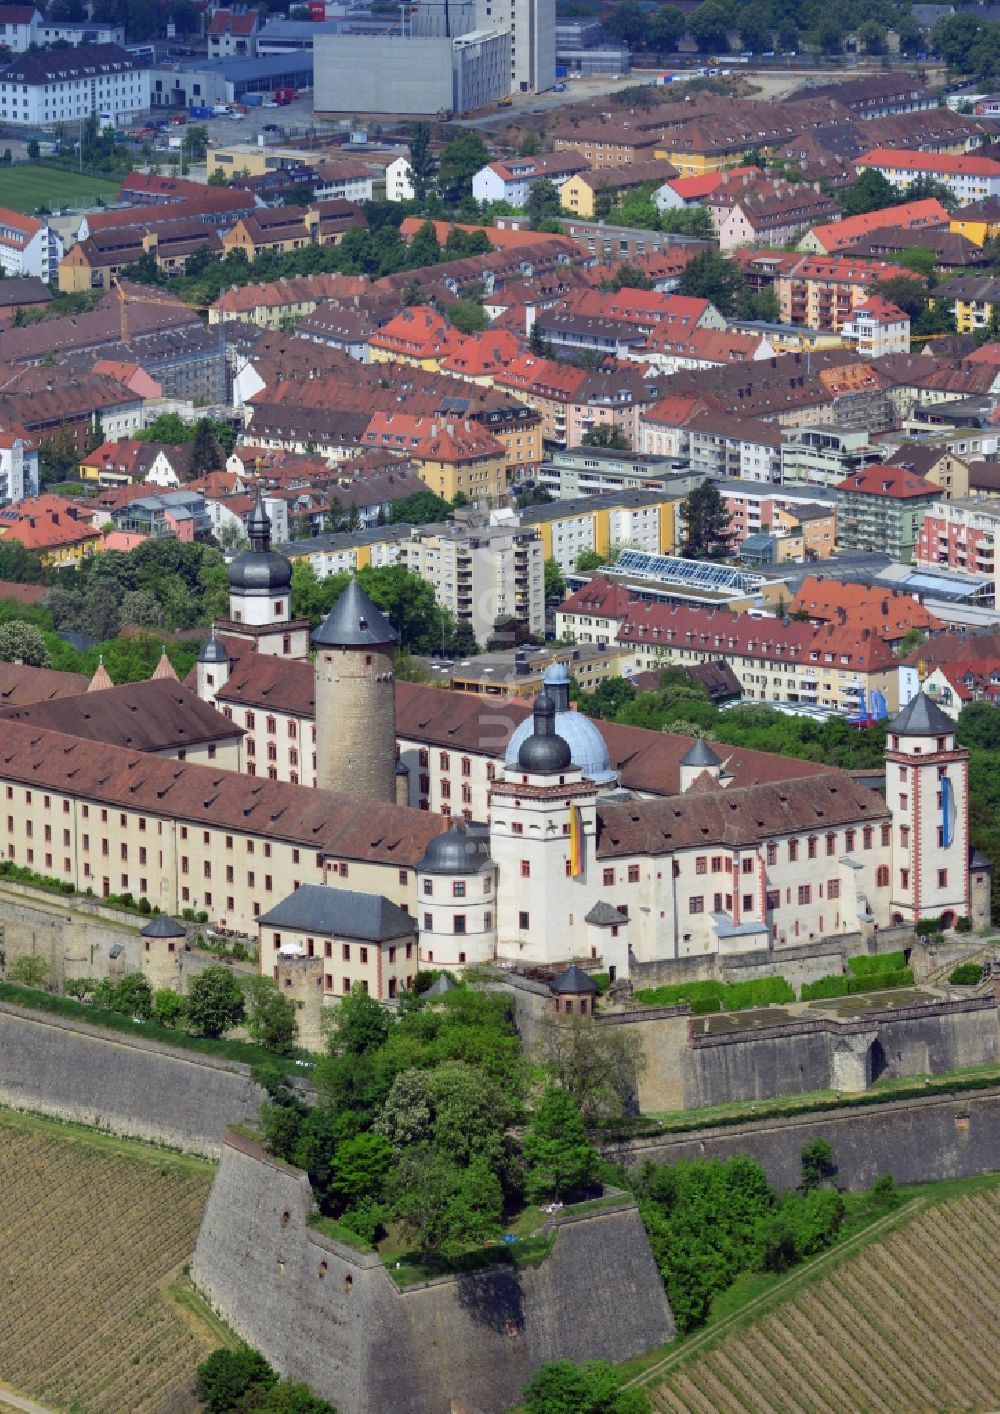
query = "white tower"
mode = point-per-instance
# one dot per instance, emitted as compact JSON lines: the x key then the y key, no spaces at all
{"x":260,"y":595}
{"x":927,"y":789}
{"x":456,"y":900}
{"x":213,"y":669}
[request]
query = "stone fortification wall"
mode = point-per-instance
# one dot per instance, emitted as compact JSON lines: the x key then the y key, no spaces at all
{"x":334,"y":1317}
{"x":827,"y":1054}
{"x":916,"y":1141}
{"x":121,"y":1083}
{"x":74,"y":936}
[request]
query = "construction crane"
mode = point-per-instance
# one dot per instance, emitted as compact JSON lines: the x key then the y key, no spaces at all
{"x":124,"y":299}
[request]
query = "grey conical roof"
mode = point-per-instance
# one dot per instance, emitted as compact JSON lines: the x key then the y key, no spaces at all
{"x":354,"y":621}
{"x":699,"y":753}
{"x":574,"y":980}
{"x":163,"y":926}
{"x":212,"y":651}
{"x":441,"y":984}
{"x":921,"y":717}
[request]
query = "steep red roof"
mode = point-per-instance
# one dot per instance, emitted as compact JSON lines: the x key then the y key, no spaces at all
{"x":886,"y":480}
{"x":233,"y":22}
{"x":910,"y":216}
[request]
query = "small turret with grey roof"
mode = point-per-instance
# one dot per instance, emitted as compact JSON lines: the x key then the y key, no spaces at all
{"x":457,"y":851}
{"x":212,"y":651}
{"x":921,"y":717}
{"x":696,"y":761}
{"x":163,"y":926}
{"x":354,"y":622}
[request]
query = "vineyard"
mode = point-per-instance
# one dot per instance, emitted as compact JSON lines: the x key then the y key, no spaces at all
{"x":92,"y":1231}
{"x":906,"y":1324}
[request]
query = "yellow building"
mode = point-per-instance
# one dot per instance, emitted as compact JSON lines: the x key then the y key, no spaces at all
{"x":581,"y":193}
{"x":638,"y":520}
{"x":462,"y":457}
{"x":54,"y":529}
{"x":973,"y":298}
{"x":979,"y":222}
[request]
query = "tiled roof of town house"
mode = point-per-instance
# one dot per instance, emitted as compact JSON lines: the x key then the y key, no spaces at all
{"x":970,"y":288}
{"x":892,"y":616}
{"x":849,"y":270}
{"x":883,"y":310}
{"x":986,"y":210}
{"x":295,"y":289}
{"x":482,"y":354}
{"x":93,"y":329}
{"x":894,"y":482}
{"x":17,"y":290}
{"x":735,"y":428}
{"x":646,"y":308}
{"x":46,"y":522}
{"x":735,"y":816}
{"x":602,"y":598}
{"x":156,"y":715}
{"x":17,"y":14}
{"x":17,"y":229}
{"x":667,"y":626}
{"x":921,"y":457}
{"x":691,"y":188}
{"x":141,"y":782}
{"x":512,"y":169}
{"x":236,"y":22}
{"x":155,"y":184}
{"x":714,"y":345}
{"x":632,"y":174}
{"x":925,"y":214}
{"x":544,"y":377}
{"x":20,"y":684}
{"x":499,"y":237}
{"x":949,"y":164}
{"x":419,"y":332}
{"x":955,"y":648}
{"x":206,"y":202}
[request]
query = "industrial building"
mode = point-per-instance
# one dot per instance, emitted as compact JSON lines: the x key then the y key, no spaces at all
{"x":198,"y":83}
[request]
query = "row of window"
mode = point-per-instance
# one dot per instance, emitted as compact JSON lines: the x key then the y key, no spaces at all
{"x":458,"y":887}
{"x":458,"y":923}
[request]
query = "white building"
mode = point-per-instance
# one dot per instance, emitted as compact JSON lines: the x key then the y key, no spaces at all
{"x":512,"y":179}
{"x":18,"y":24}
{"x":399,"y":180}
{"x":878,"y":327}
{"x":481,"y":575}
{"x":18,"y":469}
{"x":969,"y":176}
{"x":28,"y":245}
{"x":62,"y":85}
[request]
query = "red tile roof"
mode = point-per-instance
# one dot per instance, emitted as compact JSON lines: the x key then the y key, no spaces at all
{"x":948,"y":163}
{"x":910,"y":216}
{"x":233,"y":22}
{"x":886,"y":480}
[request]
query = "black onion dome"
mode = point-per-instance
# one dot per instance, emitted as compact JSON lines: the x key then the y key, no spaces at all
{"x":544,"y":752}
{"x":456,"y":851}
{"x":260,"y":570}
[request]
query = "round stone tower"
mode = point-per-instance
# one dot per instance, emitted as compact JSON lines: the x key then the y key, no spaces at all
{"x":356,"y":699}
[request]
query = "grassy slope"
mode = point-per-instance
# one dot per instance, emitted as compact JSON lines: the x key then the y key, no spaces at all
{"x":25,"y":188}
{"x":94,"y":1232}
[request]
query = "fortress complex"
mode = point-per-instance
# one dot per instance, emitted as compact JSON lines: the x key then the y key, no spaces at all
{"x":551,"y":837}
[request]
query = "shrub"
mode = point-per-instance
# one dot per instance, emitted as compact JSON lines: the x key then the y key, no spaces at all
{"x":227,"y":1376}
{"x":966,"y":974}
{"x":924,"y":927}
{"x":851,"y":985}
{"x":865,"y":964}
{"x":718,"y":996}
{"x":885,"y":1194}
{"x":29,"y":970}
{"x":963,"y":924}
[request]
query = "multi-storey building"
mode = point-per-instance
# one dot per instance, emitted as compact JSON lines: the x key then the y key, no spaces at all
{"x":960,"y":535}
{"x":970,"y":177}
{"x":882,"y":508}
{"x":637,"y":520}
{"x":64,"y":85}
{"x":28,"y":245}
{"x":823,"y":456}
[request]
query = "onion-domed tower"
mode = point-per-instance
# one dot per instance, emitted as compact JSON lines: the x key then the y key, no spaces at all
{"x":260,"y":594}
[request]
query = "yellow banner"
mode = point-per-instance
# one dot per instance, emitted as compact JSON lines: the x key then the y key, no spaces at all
{"x":575,"y":842}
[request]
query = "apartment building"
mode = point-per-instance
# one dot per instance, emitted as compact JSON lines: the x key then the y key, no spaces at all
{"x":28,"y":245}
{"x":484,"y":575}
{"x":969,"y":177}
{"x":881,"y":508}
{"x":637,"y":520}
{"x":823,"y":292}
{"x":960,"y":535}
{"x":53,"y":86}
{"x":878,"y":327}
{"x":824,"y":456}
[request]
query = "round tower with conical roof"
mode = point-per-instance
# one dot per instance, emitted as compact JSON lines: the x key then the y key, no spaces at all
{"x":356,"y":698}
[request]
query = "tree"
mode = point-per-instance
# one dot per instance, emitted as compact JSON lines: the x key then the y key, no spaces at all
{"x":873,"y":36}
{"x":460,"y":160}
{"x":132,"y":996}
{"x":607,"y":434}
{"x":555,"y":583}
{"x":140,"y":610}
{"x":360,"y":1168}
{"x":560,"y":1159}
{"x":79,"y":987}
{"x":953,"y":37}
{"x":446,"y":1208}
{"x":588,"y":560}
{"x":34,"y":151}
{"x":543,"y":203}
{"x":359,"y":1025}
{"x":707,"y":532}
{"x":270,"y":1016}
{"x":214,"y":1001}
{"x":537,"y":343}
{"x":709,"y":25}
{"x":206,"y":454}
{"x":817,"y":1163}
{"x":925,"y":187}
{"x":23,"y":643}
{"x":101,"y":617}
{"x":909,"y":294}
{"x":628,"y":277}
{"x":29,"y":970}
{"x":710,"y":275}
{"x":421,"y":509}
{"x":871,"y":192}
{"x":560,"y":1387}
{"x":226,"y":1377}
{"x":756,"y":33}
{"x":421,"y":161}
{"x":168,"y":1008}
{"x":598,"y":1066}
{"x":286,"y":1397}
{"x":667,"y":28}
{"x":467,"y":316}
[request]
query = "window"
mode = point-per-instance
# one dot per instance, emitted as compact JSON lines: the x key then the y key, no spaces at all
{"x":904,"y":802}
{"x":772,"y":899}
{"x":942,"y":878}
{"x":696,"y":904}
{"x":772,"y":854}
{"x":886,"y":836}
{"x":904,"y":878}
{"x":805,"y":893}
{"x":831,"y":843}
{"x":793,"y":851}
{"x":428,"y":888}
{"x":428,"y":923}
{"x":868,"y":835}
{"x":525,"y":868}
{"x":881,"y":877}
{"x":747,"y":902}
{"x":716,"y":863}
{"x":459,"y":923}
{"x":609,"y":878}
{"x":364,"y":954}
{"x":633,"y":873}
{"x":904,"y":836}
{"x":748,"y":865}
{"x":811,"y":847}
{"x":848,"y":840}
{"x":523,"y":920}
{"x":458,"y":889}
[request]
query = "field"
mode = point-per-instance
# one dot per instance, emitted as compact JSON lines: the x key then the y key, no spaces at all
{"x":26,"y":188}
{"x":93,"y":1235}
{"x":904,"y":1324}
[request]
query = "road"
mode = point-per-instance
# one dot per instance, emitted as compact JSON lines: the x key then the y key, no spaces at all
{"x":9,"y":1400}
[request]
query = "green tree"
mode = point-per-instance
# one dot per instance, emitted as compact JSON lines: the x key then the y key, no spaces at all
{"x":543,"y":204}
{"x":206,"y":454}
{"x":169,"y":1009}
{"x":707,"y":524}
{"x":560,"y":1159}
{"x":954,"y":36}
{"x":467,"y":315}
{"x":560,"y":1387}
{"x":270,"y":1016}
{"x":214,"y":1001}
{"x":23,"y":643}
{"x":667,"y":28}
{"x":910,"y":295}
{"x":360,"y":1168}
{"x":555,"y":583}
{"x":133,"y":996}
{"x":756,"y":33}
{"x":421,"y":509}
{"x":597,"y":1066}
{"x":227,"y":1376}
{"x":34,"y":151}
{"x":286,"y":1397}
{"x":710,"y":275}
{"x":29,"y":970}
{"x":79,"y":987}
{"x":816,"y":1158}
{"x":629,"y":23}
{"x":421,"y":161}
{"x":709,"y":26}
{"x":447,"y":1209}
{"x":607,"y":434}
{"x":588,"y":560}
{"x":460,"y":160}
{"x":871,"y":192}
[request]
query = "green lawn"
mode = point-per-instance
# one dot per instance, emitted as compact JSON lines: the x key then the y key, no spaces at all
{"x":25,"y":188}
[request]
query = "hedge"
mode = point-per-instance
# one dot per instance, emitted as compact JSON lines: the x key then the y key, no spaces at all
{"x":966,"y":974}
{"x":864,"y":965}
{"x":844,"y":986}
{"x":718,"y":996}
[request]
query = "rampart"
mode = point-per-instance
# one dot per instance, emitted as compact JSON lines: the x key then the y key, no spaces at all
{"x":120,"y":1083}
{"x":327,"y":1314}
{"x":916,"y":1141}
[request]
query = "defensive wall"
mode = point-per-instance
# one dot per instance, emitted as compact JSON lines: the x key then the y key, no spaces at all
{"x":916,"y":1141}
{"x":123,"y":1084}
{"x":332,"y":1316}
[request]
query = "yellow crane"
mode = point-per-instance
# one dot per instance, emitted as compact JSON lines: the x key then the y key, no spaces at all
{"x":124,"y":299}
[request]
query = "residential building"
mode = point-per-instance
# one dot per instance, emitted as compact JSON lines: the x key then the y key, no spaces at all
{"x":28,"y":246}
{"x":882,"y":508}
{"x":587,"y":193}
{"x":418,"y":336}
{"x":451,"y":455}
{"x":878,"y":327}
{"x":609,"y":143}
{"x":961,"y":535}
{"x":233,"y":34}
{"x":978,"y":222}
{"x":95,"y":263}
{"x":926,"y":214}
{"x":973,"y":299}
{"x":637,"y":520}
{"x":181,"y":515}
{"x":18,"y":27}
{"x":892,"y":616}
{"x":824,"y":456}
{"x":55,"y":529}
{"x":18,"y":468}
{"x":588,"y":471}
{"x":763,"y":510}
{"x":349,"y":551}
{"x":485,"y":575}
{"x":399,"y":180}
{"x":937,"y":461}
{"x":878,"y":95}
{"x":823,"y":292}
{"x":288,"y":228}
{"x":53,"y":86}
{"x":969,"y":177}
{"x":27,"y":292}
{"x":512,"y":179}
